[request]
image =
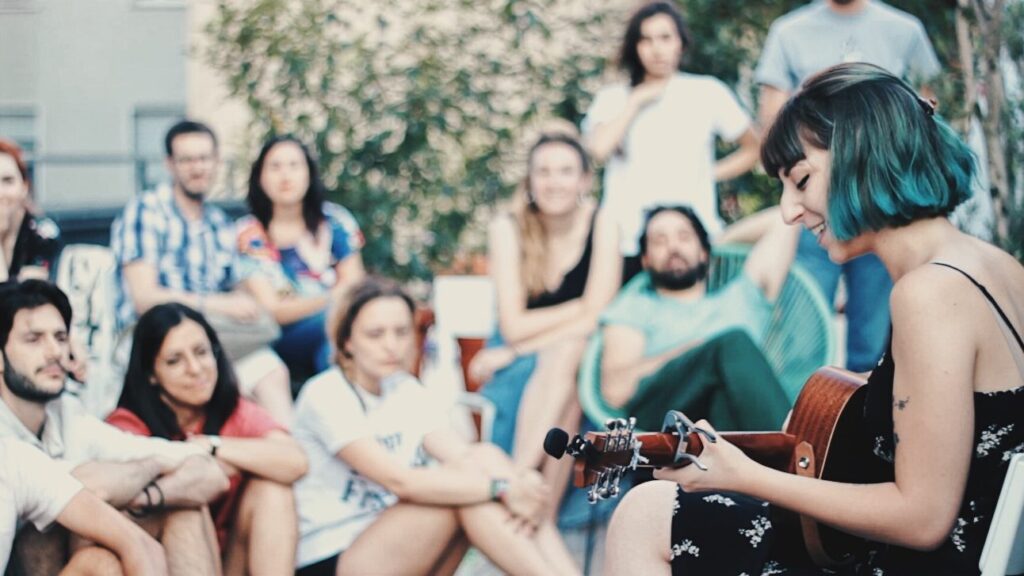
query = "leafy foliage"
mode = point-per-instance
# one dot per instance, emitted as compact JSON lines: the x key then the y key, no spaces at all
{"x":419,"y":109}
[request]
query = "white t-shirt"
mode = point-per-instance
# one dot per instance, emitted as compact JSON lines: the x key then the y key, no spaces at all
{"x":72,"y":436}
{"x":33,"y":489}
{"x":668,"y":153}
{"x":335,"y":503}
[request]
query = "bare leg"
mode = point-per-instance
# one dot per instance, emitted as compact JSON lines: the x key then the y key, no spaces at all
{"x":640,"y":533}
{"x":491,"y":529}
{"x":556,"y":472}
{"x":266,"y":531}
{"x":405,"y":539}
{"x":190,"y":540}
{"x":273,"y":392}
{"x":546,"y":399}
{"x":449,"y":562}
{"x":93,"y":561}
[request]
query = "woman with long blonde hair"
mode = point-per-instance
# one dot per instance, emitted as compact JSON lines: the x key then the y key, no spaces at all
{"x":555,"y":263}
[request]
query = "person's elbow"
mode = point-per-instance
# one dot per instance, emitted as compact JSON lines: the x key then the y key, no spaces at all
{"x":928,"y":534}
{"x":296,"y":466}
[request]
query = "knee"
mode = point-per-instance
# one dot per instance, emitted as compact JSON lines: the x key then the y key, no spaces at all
{"x":644,"y":513}
{"x":93,"y":561}
{"x":264,"y":494}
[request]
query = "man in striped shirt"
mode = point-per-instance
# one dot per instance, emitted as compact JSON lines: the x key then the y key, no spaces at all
{"x":172,"y":246}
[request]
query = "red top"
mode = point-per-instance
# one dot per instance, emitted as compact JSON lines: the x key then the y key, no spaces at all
{"x":247,"y":421}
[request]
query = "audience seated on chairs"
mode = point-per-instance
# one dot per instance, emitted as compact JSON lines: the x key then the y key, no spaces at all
{"x":35,"y":489}
{"x":299,"y":252}
{"x":669,"y":344}
{"x":180,"y":386}
{"x":172,"y":246}
{"x":370,"y":503}
{"x":167,"y":485}
{"x":555,"y":264}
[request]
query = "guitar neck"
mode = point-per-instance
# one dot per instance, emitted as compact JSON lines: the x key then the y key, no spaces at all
{"x":773,"y":449}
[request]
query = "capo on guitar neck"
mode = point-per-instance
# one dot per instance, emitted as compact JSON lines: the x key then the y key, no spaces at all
{"x":677,"y":423}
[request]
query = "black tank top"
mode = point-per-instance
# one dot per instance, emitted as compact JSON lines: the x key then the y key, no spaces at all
{"x":574,"y":281}
{"x":998,"y":434}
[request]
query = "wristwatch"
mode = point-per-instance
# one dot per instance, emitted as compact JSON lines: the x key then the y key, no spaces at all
{"x":214,"y":444}
{"x":499,"y":487}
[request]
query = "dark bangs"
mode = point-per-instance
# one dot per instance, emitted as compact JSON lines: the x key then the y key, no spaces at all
{"x":798,"y":124}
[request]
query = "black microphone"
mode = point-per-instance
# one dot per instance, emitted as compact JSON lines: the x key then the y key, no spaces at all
{"x":556,"y":442}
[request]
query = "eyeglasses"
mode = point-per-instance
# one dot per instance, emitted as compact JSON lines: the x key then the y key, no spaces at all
{"x":204,"y":159}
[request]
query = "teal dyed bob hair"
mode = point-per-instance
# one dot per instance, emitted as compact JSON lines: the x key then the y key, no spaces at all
{"x":893,"y":159}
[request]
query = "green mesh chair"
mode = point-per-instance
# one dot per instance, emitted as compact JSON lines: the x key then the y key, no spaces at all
{"x":800,"y":337}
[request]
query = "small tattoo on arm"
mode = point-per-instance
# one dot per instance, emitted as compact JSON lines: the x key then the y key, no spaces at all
{"x":895,"y":439}
{"x":901,"y":404}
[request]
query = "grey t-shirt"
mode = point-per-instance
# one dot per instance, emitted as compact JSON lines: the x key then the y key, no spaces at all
{"x":814,"y":37}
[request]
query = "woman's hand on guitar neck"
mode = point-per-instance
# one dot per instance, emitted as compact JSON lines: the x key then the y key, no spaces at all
{"x":728,"y":468}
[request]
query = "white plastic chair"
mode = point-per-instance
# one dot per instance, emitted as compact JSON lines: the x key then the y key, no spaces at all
{"x":1004,"y":547}
{"x":85,"y":272}
{"x":464,"y":307}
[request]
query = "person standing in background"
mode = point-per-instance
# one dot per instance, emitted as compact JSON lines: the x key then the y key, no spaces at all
{"x":656,"y":133}
{"x":808,"y":40}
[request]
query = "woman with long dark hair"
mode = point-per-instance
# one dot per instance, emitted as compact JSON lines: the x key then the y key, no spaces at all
{"x":180,"y":385}
{"x":371,"y":504}
{"x":868,"y":166}
{"x":655,"y":133}
{"x":299,"y":251}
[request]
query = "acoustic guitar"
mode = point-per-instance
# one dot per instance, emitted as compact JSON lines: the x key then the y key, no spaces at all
{"x":823,"y":438}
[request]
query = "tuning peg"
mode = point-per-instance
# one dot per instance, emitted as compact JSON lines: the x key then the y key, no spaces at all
{"x":611,"y":424}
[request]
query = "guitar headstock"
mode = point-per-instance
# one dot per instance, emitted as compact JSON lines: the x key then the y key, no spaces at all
{"x":603,"y":458}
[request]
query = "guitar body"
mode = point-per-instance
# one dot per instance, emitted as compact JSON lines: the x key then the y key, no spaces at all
{"x":828,"y":417}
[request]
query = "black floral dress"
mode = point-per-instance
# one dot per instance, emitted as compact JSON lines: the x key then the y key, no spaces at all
{"x":734,"y":535}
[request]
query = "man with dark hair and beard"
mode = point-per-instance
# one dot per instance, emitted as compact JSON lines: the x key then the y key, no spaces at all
{"x":669,"y":344}
{"x":165,"y":484}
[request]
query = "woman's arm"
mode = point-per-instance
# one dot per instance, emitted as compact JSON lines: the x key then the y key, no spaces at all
{"x":934,"y":356}
{"x":606,"y":137}
{"x":518,"y":324}
{"x":91,"y":518}
{"x":741,"y":160}
{"x":285,"y":310}
{"x":602,"y":284}
{"x":437,"y":485}
{"x":276,"y":456}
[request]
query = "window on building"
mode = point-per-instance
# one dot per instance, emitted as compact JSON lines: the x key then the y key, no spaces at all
{"x":16,"y":6}
{"x":19,"y":124}
{"x":151,"y":125}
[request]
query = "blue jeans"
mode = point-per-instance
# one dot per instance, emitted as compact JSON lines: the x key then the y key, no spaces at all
{"x":867,"y":306}
{"x":304,"y":347}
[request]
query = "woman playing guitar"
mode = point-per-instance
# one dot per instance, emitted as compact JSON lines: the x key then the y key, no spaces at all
{"x":868,"y":166}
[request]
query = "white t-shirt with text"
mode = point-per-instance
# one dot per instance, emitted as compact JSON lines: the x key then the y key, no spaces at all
{"x":336,"y":503}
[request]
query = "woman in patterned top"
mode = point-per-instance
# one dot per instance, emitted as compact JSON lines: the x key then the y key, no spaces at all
{"x":298,"y":251}
{"x":29,"y":243}
{"x":868,"y":166}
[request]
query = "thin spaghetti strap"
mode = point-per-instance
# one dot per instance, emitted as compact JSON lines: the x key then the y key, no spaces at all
{"x":1006,"y":319}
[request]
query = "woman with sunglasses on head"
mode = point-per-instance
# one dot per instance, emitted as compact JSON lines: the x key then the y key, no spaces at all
{"x":868,"y":166}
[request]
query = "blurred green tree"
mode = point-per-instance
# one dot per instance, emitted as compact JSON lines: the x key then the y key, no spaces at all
{"x":417,"y":109}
